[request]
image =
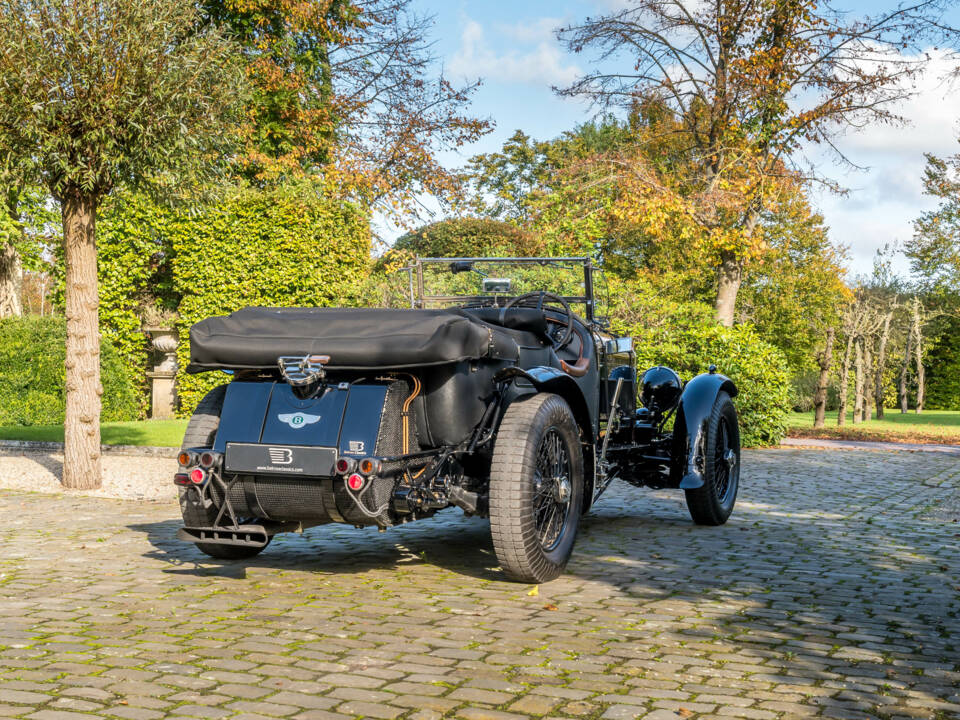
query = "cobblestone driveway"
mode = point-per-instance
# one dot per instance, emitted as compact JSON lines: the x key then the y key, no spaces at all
{"x":834,"y":590}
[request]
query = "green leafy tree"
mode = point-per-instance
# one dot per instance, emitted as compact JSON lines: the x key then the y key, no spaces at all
{"x":550,"y":187}
{"x":24,"y":215}
{"x":96,"y":94}
{"x":934,"y":250}
{"x":796,"y":290}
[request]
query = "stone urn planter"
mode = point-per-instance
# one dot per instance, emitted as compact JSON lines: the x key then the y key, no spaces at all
{"x":163,"y":396}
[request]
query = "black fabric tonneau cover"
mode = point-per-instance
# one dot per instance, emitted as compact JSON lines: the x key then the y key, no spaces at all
{"x":354,"y":338}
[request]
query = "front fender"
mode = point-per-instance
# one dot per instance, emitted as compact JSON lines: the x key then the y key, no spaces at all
{"x":553,"y":380}
{"x":696,"y":404}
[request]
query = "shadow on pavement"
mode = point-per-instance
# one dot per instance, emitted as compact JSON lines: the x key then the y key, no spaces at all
{"x":457,"y":544}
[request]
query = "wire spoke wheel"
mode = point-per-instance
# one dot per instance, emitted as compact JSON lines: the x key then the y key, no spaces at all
{"x":552,"y":489}
{"x":536,"y":488}
{"x":722,"y":466}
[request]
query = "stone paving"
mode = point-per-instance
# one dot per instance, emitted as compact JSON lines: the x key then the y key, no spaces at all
{"x":834,"y":591}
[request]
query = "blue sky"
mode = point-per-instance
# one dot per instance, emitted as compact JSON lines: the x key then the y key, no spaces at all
{"x":511,"y":46}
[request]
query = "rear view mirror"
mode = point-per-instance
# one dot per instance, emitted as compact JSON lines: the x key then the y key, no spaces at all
{"x":497,"y":286}
{"x":618,"y":345}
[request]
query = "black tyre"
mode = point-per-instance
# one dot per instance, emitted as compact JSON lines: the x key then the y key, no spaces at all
{"x":713,"y":503}
{"x":198,"y":512}
{"x":536,"y":488}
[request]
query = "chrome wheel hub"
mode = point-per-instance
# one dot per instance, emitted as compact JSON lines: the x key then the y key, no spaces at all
{"x":731,"y":458}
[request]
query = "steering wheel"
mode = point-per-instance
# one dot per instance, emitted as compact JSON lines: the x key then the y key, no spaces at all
{"x":540,"y":296}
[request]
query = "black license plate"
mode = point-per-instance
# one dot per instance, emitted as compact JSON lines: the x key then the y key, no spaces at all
{"x":256,"y":458}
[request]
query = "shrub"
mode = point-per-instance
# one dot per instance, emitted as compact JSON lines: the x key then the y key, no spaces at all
{"x":685,"y":336}
{"x":469,"y":237}
{"x":32,"y":353}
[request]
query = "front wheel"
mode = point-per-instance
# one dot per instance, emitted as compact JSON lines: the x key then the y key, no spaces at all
{"x":712,"y":503}
{"x":536,"y":488}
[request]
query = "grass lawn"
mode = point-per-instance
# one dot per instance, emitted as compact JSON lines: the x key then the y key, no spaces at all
{"x":931,"y":426}
{"x":161,"y":433}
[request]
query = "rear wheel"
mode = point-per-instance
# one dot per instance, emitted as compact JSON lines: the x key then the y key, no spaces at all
{"x":199,"y":511}
{"x":712,"y":503}
{"x":536,"y":488}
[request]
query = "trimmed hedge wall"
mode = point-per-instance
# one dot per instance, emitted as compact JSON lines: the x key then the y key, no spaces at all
{"x":290,"y":245}
{"x":133,"y":270}
{"x":287,"y":247}
{"x":32,"y":391}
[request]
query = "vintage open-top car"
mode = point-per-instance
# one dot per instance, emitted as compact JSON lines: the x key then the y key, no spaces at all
{"x":491,"y":395}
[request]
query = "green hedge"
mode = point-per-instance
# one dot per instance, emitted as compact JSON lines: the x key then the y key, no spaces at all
{"x":685,"y":336}
{"x":133,"y":270}
{"x":32,"y":353}
{"x":286,"y":247}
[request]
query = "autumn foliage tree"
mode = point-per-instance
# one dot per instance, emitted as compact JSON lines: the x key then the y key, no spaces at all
{"x":96,"y":94}
{"x":747,"y":83}
{"x":347,"y":90}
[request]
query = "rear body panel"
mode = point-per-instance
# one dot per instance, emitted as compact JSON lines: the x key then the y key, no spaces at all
{"x":344,"y":418}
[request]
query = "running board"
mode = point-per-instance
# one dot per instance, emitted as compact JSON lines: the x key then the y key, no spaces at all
{"x":255,"y":536}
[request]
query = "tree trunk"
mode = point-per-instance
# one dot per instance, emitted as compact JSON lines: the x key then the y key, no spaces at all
{"x":921,"y":373}
{"x":858,"y":383}
{"x":904,"y":374}
{"x":881,"y":363}
{"x":729,"y":278}
{"x":866,"y":410}
{"x":81,"y":466}
{"x":918,"y":353}
{"x":844,"y":383}
{"x":824,"y":359}
{"x":11,"y":281}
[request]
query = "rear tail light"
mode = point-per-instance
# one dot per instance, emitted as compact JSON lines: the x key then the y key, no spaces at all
{"x":356,"y":481}
{"x":345,"y":465}
{"x":198,"y":475}
{"x":209,"y":459}
{"x":369,"y":466}
{"x":187,"y":458}
{"x":181,"y":479}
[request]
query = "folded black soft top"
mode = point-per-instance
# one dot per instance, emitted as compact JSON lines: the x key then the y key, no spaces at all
{"x":354,"y":338}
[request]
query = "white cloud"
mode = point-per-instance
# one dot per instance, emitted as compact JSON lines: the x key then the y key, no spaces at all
{"x":885,"y":199}
{"x":539,"y":60}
